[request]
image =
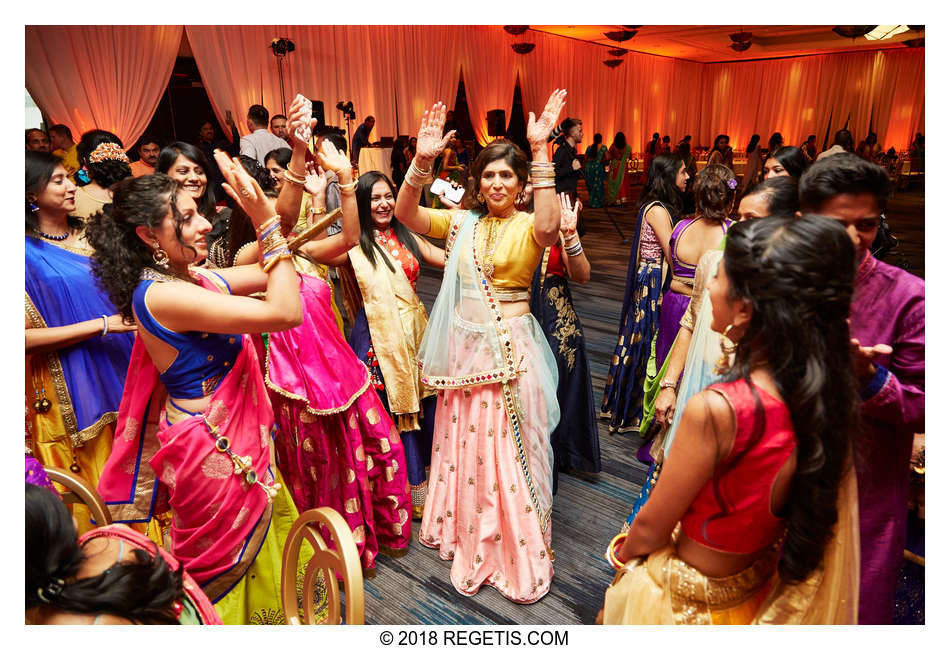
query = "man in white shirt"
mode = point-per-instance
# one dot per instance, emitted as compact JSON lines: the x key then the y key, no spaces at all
{"x":261,"y":141}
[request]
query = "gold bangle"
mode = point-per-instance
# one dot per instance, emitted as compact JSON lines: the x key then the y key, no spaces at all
{"x":271,"y":263}
{"x":611,"y":554}
{"x":317,"y":211}
{"x":267,"y":223}
{"x":291,"y":179}
{"x":301,"y":177}
{"x":348,"y":187}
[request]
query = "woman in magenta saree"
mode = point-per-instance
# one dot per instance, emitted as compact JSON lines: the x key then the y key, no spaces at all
{"x":194,"y":439}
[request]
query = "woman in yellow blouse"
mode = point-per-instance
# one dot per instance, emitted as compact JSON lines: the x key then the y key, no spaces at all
{"x":489,"y":502}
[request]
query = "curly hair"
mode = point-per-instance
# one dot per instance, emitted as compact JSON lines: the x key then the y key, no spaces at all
{"x":40,"y":167}
{"x":712,"y":192}
{"x":661,"y":184}
{"x":108,"y":172}
{"x":120,"y":254}
{"x":500,"y":149}
{"x":142,"y":590}
{"x":798,"y":275}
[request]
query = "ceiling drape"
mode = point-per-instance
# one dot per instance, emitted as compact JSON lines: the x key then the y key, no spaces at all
{"x":396,"y":72}
{"x":108,"y":77}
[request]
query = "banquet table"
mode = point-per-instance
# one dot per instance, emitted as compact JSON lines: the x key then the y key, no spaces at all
{"x":376,"y":159}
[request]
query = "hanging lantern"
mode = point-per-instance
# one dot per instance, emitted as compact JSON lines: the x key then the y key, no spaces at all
{"x":622,"y":35}
{"x":741,"y":37}
{"x":741,"y":47}
{"x":618,"y":51}
{"x":522,"y":48}
{"x":516,"y":30}
{"x":853,"y":31}
{"x":613,"y":63}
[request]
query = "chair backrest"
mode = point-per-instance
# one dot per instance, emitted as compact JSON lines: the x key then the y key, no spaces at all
{"x":343,"y":560}
{"x":80,"y":491}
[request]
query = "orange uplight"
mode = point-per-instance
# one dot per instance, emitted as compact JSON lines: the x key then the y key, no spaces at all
{"x":808,"y":113}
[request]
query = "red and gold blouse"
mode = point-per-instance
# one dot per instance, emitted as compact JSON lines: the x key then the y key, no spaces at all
{"x":410,"y":265}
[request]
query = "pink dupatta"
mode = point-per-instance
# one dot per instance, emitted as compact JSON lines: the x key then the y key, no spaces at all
{"x":219,"y":518}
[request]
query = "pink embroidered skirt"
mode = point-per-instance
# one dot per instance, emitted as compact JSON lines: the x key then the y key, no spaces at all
{"x":479,"y":511}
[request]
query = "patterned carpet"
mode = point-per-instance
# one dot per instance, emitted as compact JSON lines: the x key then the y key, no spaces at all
{"x":588,"y":511}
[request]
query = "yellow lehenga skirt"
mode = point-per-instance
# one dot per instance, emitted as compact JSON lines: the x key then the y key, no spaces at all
{"x":48,"y":441}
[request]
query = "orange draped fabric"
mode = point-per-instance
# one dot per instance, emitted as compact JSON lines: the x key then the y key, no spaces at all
{"x":396,"y":72}
{"x":108,"y":77}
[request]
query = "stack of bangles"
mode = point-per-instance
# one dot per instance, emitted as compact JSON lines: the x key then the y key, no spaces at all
{"x":294,"y":177}
{"x":273,"y":246}
{"x":575,"y":249}
{"x":542,"y":174}
{"x":611,"y":554}
{"x":416,"y":176}
{"x":348,"y":187}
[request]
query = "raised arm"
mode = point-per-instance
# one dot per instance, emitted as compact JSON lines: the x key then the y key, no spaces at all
{"x":547,"y":212}
{"x":299,"y":123}
{"x":430,"y":144}
{"x":578,"y":267}
{"x":184,"y":307}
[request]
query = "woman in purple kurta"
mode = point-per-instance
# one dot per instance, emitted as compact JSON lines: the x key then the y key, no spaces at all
{"x":888,"y":308}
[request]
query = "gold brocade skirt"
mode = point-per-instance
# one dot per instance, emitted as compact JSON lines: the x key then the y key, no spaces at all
{"x":665,"y":590}
{"x":50,"y":444}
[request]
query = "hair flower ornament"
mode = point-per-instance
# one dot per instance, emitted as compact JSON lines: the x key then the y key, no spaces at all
{"x":108,"y":151}
{"x":732,"y":183}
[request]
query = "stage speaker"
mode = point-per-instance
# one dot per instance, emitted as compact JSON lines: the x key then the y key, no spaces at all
{"x":496,"y":123}
{"x":318,"y":113}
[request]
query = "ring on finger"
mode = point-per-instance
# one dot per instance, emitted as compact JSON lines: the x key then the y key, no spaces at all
{"x":244,"y":192}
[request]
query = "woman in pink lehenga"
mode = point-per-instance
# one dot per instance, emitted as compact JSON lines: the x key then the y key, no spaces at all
{"x":488,"y":507}
{"x":337,"y":446}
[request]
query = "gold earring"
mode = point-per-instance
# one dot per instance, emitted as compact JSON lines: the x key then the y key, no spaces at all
{"x":723,"y":363}
{"x":160,"y":257}
{"x":480,"y":198}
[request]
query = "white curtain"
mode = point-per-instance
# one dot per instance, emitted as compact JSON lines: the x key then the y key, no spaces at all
{"x":100,"y":77}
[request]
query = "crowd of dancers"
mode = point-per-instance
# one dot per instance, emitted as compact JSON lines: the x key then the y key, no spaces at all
{"x":193,"y":367}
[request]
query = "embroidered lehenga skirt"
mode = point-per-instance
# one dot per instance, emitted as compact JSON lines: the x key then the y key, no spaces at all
{"x":479,"y":512}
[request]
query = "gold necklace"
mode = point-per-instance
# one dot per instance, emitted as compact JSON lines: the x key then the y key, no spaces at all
{"x":493,"y":237}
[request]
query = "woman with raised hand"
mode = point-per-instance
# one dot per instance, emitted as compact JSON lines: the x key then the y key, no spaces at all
{"x":336,"y":444}
{"x":77,"y":344}
{"x":390,"y":319}
{"x":575,"y":441}
{"x":640,"y":312}
{"x":195,"y":425}
{"x":753,"y":519}
{"x":489,"y":503}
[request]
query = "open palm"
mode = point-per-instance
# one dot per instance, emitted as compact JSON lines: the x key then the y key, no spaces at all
{"x":430,"y":142}
{"x":540,"y":129}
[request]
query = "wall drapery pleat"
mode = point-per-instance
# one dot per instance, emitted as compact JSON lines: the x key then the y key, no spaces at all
{"x":396,"y":72}
{"x":109,"y":77}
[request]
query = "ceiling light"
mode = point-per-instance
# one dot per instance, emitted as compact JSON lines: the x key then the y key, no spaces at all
{"x":620,"y":36}
{"x":613,"y":63}
{"x":741,"y":37}
{"x":881,"y":32}
{"x":741,"y":47}
{"x":618,"y":51}
{"x":852,"y":31}
{"x":522,"y":48}
{"x":516,"y":30}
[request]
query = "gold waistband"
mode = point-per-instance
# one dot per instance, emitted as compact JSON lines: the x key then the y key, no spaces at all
{"x":684,"y":279}
{"x":503,"y":295}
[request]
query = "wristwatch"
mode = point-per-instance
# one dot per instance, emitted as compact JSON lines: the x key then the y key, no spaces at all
{"x":668,"y":383}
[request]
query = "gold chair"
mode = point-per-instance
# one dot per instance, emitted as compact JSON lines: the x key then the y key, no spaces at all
{"x":343,"y":560}
{"x":80,"y":492}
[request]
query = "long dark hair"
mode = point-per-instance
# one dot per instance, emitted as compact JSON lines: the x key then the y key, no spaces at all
{"x":40,"y":166}
{"x":364,"y":193}
{"x":108,"y":172}
{"x":661,"y":184}
{"x":753,"y":144}
{"x":798,"y":276}
{"x":620,"y":141}
{"x":167,"y":157}
{"x":500,"y":149}
{"x":142,"y":591}
{"x":120,"y":254}
{"x":792,"y":159}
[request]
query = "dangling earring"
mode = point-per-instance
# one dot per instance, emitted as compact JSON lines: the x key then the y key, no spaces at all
{"x":160,"y":257}
{"x":83,"y":175}
{"x":723,"y":363}
{"x":521,"y":197}
{"x":480,"y":198}
{"x":31,"y":203}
